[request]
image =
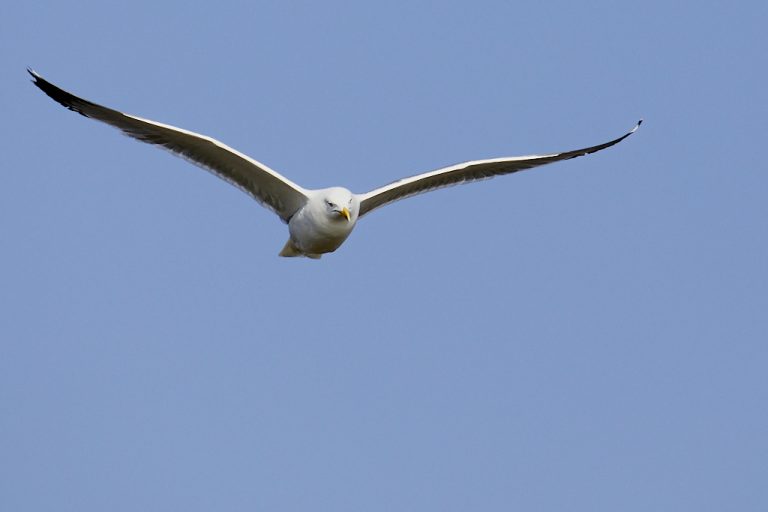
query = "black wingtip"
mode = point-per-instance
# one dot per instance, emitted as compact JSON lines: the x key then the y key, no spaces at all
{"x":36,"y":78}
{"x":61,"y":96}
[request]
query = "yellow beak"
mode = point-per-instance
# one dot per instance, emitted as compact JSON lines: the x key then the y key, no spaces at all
{"x":345,"y":213}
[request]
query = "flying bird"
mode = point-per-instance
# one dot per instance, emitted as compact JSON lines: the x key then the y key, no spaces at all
{"x":318,"y":220}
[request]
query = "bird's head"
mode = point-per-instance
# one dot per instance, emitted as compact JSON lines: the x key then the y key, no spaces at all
{"x":340,"y":204}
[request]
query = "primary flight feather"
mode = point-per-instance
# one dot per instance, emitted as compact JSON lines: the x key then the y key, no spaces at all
{"x":318,"y":220}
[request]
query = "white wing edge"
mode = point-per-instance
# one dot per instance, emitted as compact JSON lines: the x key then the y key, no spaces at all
{"x":457,"y":167}
{"x":61,"y":95}
{"x":223,"y":146}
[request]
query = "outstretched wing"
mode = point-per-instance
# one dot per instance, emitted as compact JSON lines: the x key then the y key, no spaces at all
{"x":265,"y":185}
{"x":467,"y":172}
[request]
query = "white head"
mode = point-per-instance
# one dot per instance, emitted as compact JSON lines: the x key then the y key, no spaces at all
{"x":340,"y":204}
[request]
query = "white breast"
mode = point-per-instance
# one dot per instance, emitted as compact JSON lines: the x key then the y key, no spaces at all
{"x":313,"y":231}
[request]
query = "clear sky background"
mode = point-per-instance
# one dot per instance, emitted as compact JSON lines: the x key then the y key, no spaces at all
{"x":589,"y":336}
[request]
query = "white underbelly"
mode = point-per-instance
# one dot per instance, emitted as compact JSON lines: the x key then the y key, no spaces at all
{"x":318,"y":236}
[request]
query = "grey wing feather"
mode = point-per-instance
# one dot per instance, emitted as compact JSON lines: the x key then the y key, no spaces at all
{"x":467,"y":172}
{"x":265,"y":185}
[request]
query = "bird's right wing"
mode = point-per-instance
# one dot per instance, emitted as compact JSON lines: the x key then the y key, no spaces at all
{"x":268,"y":187}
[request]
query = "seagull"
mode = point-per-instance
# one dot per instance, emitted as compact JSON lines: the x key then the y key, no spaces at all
{"x":320,"y":220}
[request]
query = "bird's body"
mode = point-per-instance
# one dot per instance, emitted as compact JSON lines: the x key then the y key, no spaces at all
{"x":313,"y":232}
{"x":319,"y":221}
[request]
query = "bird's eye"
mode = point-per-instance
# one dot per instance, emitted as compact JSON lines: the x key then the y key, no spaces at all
{"x":330,"y":204}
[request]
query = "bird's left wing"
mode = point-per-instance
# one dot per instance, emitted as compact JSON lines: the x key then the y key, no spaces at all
{"x":269,"y":188}
{"x":467,"y":172}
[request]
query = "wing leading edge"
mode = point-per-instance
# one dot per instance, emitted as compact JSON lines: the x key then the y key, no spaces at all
{"x":467,"y":172}
{"x":268,"y":187}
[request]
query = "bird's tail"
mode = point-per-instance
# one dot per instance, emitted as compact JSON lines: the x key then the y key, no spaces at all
{"x":291,"y":251}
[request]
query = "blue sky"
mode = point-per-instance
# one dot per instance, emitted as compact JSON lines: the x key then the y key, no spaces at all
{"x":590,"y":335}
